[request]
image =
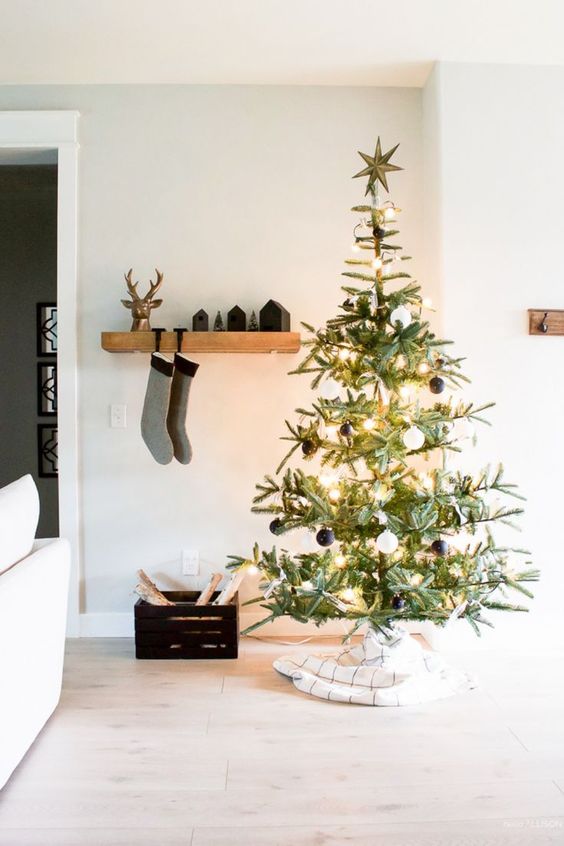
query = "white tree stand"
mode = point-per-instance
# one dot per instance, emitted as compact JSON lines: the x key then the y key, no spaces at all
{"x":389,"y":668}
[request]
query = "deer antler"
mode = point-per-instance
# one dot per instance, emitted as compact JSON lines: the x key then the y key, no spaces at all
{"x":141,"y":307}
{"x":131,"y":286}
{"x":155,"y":287}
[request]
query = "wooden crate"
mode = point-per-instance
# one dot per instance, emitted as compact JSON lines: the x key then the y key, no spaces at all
{"x":186,"y":630}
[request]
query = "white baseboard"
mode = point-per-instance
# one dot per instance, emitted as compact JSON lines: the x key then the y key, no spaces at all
{"x":106,"y":625}
{"x":511,"y":634}
{"x":121,"y":625}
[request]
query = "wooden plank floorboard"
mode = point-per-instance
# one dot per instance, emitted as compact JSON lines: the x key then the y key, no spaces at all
{"x":97,"y":837}
{"x":545,"y":832}
{"x":133,"y":807}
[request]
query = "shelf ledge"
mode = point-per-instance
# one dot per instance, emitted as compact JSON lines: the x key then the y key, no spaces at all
{"x":204,"y":342}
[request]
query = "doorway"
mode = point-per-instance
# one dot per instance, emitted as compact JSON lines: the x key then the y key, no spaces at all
{"x":35,"y":135}
{"x":28,"y":326}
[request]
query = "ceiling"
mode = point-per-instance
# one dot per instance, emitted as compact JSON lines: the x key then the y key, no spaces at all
{"x":282,"y":42}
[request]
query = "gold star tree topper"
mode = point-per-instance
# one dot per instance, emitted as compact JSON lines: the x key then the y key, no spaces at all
{"x":378,"y":166}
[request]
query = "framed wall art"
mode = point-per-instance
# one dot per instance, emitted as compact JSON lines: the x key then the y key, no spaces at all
{"x":47,"y":389}
{"x":47,"y":450}
{"x":47,"y":329}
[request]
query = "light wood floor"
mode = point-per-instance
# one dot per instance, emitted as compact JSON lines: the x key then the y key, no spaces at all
{"x":153,"y":753}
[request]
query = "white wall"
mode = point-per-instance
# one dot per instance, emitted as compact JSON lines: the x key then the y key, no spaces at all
{"x":494,"y":137}
{"x":242,"y":193}
{"x":238,"y":194}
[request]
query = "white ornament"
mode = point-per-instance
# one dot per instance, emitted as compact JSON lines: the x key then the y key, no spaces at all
{"x":413,"y":438}
{"x":384,"y":395}
{"x":402,"y":315}
{"x":387,"y":542}
{"x":330,"y":389}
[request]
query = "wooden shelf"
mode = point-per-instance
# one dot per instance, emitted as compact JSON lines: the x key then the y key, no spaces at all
{"x":204,"y":342}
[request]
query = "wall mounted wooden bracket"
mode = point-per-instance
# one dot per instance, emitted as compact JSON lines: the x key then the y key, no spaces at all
{"x":546,"y":321}
{"x":204,"y":342}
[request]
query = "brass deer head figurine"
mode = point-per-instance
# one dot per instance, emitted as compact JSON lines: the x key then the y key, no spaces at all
{"x":141,"y":307}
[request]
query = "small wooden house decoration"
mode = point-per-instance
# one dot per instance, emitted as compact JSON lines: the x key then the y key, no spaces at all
{"x":274,"y":318}
{"x":236,"y":320}
{"x":200,"y":321}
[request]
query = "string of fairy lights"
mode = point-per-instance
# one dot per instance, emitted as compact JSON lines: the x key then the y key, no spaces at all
{"x":413,"y":438}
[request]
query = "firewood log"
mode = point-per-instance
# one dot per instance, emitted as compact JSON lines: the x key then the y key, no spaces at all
{"x":230,"y":589}
{"x":209,"y":589}
{"x":148,"y":590}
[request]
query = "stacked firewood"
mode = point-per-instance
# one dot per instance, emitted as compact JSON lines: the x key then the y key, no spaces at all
{"x":149,"y":592}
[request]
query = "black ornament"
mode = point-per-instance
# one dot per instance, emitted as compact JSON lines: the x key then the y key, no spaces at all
{"x":325,"y":537}
{"x":200,"y":321}
{"x":309,"y":447}
{"x":275,"y":526}
{"x":274,"y":318}
{"x":437,"y":385}
{"x":378,"y":232}
{"x":348,"y":304}
{"x":236,"y":320}
{"x":439,"y":547}
{"x":398,"y":602}
{"x":347,"y":430}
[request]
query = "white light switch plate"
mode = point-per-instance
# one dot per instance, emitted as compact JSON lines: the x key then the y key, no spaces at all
{"x":190,"y":562}
{"x":118,"y":416}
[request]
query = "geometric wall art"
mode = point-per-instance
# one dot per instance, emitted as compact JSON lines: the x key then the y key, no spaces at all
{"x":47,"y":329}
{"x":47,"y":389}
{"x":47,"y":433}
{"x":47,"y":450}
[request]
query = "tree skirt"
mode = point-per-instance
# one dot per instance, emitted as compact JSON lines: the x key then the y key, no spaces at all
{"x":387,"y":669}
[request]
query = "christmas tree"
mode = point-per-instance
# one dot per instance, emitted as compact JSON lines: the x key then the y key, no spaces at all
{"x":399,"y":535}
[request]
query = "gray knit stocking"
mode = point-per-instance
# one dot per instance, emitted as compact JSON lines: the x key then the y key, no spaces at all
{"x":154,"y":417}
{"x":184,"y":372}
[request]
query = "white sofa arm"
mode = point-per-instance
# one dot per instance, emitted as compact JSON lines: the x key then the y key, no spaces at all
{"x":33,"y":613}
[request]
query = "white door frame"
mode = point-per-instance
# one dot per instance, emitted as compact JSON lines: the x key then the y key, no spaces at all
{"x":57,"y":130}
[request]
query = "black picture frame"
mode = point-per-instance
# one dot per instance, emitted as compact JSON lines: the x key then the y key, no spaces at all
{"x":47,"y":450}
{"x":47,"y":389}
{"x":46,"y":329}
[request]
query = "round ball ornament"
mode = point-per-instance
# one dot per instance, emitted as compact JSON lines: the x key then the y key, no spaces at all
{"x":347,"y":430}
{"x":437,"y":385}
{"x":275,"y":526}
{"x":329,"y":389}
{"x":398,"y":602}
{"x":309,"y":447}
{"x":413,"y":438}
{"x":387,"y":542}
{"x":325,"y":537}
{"x":401,"y":315}
{"x":378,"y":232}
{"x":439,"y":547}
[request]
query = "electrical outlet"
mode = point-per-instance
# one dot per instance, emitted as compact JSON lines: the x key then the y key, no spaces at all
{"x":190,"y":562}
{"x":118,"y":416}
